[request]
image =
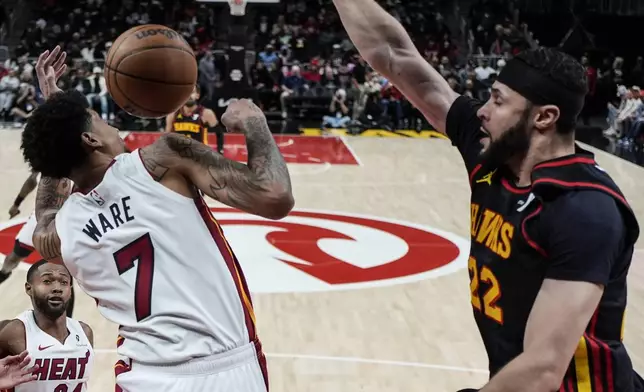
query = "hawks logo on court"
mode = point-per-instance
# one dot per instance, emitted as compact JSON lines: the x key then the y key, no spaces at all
{"x":321,"y":251}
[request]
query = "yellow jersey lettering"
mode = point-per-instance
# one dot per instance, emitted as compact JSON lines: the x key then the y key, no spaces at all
{"x":187,"y":127}
{"x":491,"y":230}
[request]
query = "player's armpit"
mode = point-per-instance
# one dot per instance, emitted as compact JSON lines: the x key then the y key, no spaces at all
{"x":554,"y":329}
{"x":88,"y":332}
{"x":12,"y":338}
{"x":262,"y":187}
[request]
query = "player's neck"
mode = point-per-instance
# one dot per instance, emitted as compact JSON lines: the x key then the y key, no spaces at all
{"x":542,"y":148}
{"x":92,"y":173}
{"x":57,"y":328}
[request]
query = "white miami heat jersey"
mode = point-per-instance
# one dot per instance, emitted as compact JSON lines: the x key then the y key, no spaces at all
{"x":158,"y":266}
{"x":63,"y":367}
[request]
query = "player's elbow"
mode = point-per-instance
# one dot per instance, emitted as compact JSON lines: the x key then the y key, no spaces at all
{"x":278,"y":204}
{"x":550,"y":370}
{"x":550,"y":380}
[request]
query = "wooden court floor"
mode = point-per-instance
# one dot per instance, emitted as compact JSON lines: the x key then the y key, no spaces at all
{"x":364,"y":287}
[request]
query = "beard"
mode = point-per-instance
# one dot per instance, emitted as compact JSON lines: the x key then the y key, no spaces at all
{"x":191,"y":103}
{"x":52,"y":312}
{"x":514,"y":142}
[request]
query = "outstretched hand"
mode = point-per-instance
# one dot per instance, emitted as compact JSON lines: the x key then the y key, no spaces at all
{"x":13,"y":370}
{"x":49,"y":68}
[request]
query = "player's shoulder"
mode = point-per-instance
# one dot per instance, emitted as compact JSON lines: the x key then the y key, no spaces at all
{"x":85,"y":326}
{"x":585,"y":208}
{"x":3,"y":323}
{"x":464,"y":105}
{"x":88,"y":331}
{"x":12,"y":329}
{"x":463,"y":112}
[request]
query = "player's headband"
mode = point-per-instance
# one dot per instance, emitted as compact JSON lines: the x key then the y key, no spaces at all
{"x":542,"y":90}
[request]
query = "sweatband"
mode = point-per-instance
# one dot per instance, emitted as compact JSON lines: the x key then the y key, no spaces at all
{"x":541,"y":90}
{"x":18,"y":201}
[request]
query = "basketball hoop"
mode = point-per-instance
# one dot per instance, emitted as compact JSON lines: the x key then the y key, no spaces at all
{"x":237,"y":7}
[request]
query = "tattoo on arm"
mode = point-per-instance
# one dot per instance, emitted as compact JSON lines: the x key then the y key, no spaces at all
{"x":51,"y":196}
{"x":156,"y":170}
{"x":252,"y":187}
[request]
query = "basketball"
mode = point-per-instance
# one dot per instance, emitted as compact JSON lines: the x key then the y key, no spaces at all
{"x":150,"y":71}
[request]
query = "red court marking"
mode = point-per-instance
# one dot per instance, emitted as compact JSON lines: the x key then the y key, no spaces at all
{"x":8,"y":238}
{"x":294,"y":148}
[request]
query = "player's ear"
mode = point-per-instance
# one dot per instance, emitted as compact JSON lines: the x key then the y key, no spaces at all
{"x":91,"y":141}
{"x":546,"y":117}
{"x":28,"y":288}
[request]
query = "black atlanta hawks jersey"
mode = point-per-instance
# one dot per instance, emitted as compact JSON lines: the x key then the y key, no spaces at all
{"x":521,"y":236}
{"x":191,"y":125}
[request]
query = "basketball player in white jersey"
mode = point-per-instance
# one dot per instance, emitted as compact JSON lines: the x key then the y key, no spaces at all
{"x":61,"y":347}
{"x":137,"y":237}
{"x":23,"y":248}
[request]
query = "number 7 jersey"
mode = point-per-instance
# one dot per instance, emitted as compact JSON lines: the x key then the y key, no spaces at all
{"x":157,"y":264}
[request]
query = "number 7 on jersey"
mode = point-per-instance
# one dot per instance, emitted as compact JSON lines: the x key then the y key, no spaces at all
{"x":142,"y":250}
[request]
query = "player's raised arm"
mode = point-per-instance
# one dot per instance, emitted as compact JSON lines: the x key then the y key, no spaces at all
{"x":261,"y":187}
{"x":52,"y":192}
{"x":385,"y":45}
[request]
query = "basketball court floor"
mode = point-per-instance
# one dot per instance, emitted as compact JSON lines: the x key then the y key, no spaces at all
{"x":364,"y":287}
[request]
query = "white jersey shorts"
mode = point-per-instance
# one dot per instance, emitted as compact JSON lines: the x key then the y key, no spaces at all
{"x":240,"y":370}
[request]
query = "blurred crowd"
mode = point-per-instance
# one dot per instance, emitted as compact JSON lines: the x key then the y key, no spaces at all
{"x":304,"y":58}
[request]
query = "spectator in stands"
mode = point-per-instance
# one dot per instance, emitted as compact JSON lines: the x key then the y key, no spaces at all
{"x":589,"y":105}
{"x":636,"y":130}
{"x":9,"y":87}
{"x":268,"y":56}
{"x":26,"y":101}
{"x":392,"y":103}
{"x":311,"y":73}
{"x":500,"y":45}
{"x":329,"y":77}
{"x":619,"y":117}
{"x":483,"y":71}
{"x":469,"y":89}
{"x":264,"y":82}
{"x":445,"y":68}
{"x":207,"y":75}
{"x":338,"y":112}
{"x":359,"y":84}
{"x":94,"y":88}
{"x":293,"y":85}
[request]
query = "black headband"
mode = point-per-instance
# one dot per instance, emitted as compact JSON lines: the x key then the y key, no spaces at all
{"x":542,"y":90}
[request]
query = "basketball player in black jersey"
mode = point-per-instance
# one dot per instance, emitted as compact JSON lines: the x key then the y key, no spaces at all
{"x":552,"y":235}
{"x":195,"y":121}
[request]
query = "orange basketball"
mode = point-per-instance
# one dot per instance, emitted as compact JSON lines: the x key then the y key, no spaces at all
{"x":150,"y":71}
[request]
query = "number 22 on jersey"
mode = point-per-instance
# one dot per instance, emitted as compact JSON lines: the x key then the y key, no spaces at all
{"x":488,"y":304}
